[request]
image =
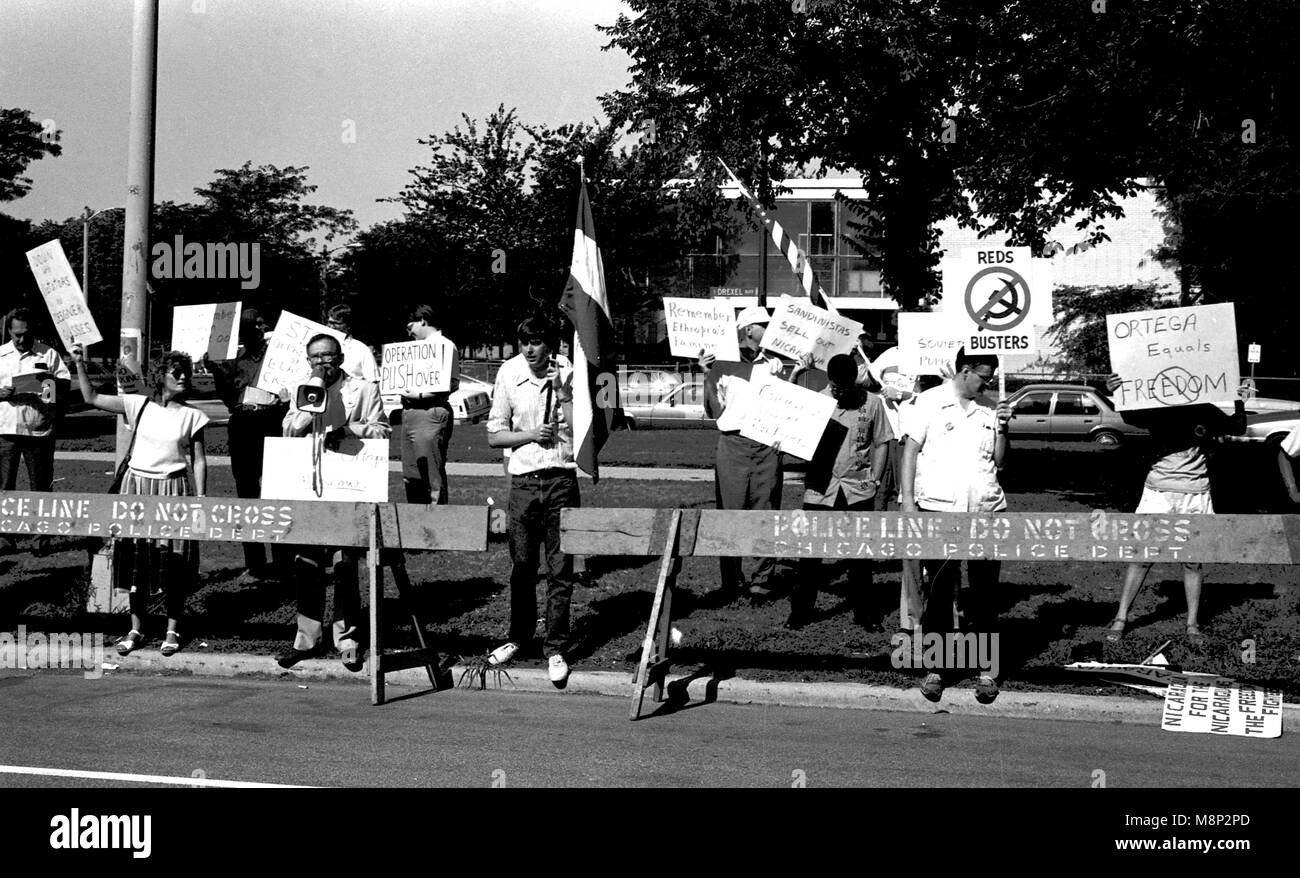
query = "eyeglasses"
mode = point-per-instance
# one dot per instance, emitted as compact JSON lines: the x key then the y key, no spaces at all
{"x":178,"y":372}
{"x":324,"y":358}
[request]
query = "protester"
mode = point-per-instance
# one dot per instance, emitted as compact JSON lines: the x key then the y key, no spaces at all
{"x":358,"y":358}
{"x":352,"y":409}
{"x":255,"y":415}
{"x":27,"y":409}
{"x":844,"y":474}
{"x":165,"y":429}
{"x":747,"y":474}
{"x":1178,"y":483}
{"x":532,"y":416}
{"x":956,"y":442}
{"x":427,"y":422}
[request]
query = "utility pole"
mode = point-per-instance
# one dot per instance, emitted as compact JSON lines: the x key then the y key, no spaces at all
{"x":139,"y":195}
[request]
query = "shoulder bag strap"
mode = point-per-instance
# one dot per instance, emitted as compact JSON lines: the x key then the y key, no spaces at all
{"x":134,"y":431}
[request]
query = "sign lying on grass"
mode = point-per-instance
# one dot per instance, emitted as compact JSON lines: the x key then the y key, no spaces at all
{"x":701,"y":324}
{"x":785,"y":415}
{"x":357,"y":472}
{"x":206,"y":329}
{"x":285,"y":366}
{"x":799,"y":328}
{"x":1209,"y":708}
{"x":1174,"y":356}
{"x":411,"y":368}
{"x":63,"y":295}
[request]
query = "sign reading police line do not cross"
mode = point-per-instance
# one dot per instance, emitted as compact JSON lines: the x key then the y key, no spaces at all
{"x":1174,"y":356}
{"x":1000,"y":293}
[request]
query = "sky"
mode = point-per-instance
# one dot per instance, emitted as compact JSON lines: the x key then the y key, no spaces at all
{"x":279,"y":81}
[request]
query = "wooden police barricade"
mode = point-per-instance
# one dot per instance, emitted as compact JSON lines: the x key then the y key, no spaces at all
{"x":375,"y":527}
{"x":1008,"y":536}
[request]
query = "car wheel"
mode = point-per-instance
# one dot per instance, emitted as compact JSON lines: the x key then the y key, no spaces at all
{"x":1105,"y":437}
{"x":630,"y":421}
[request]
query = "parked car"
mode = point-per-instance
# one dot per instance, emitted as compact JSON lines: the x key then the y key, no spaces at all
{"x":471,"y":402}
{"x":1270,"y":427}
{"x":682,"y":407}
{"x":1262,"y":405}
{"x":642,"y":387}
{"x":1067,"y":412}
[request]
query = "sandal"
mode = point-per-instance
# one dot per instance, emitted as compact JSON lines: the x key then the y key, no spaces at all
{"x":171,"y":644}
{"x":1115,"y":633}
{"x":1195,"y":637}
{"x":130,"y":643}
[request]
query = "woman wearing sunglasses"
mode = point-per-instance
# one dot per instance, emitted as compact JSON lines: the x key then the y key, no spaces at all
{"x":166,"y":432}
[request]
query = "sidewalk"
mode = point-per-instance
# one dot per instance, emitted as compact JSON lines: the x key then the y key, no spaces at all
{"x":683,"y":690}
{"x":654,"y":474}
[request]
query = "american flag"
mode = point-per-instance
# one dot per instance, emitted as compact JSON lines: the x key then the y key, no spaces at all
{"x":798,"y":261}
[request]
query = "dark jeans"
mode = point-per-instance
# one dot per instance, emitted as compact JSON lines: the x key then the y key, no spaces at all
{"x":426,"y":433}
{"x":940,"y":582}
{"x":36,"y":452}
{"x":246,"y":436}
{"x":812,"y":571}
{"x":747,"y":475}
{"x":535,"y":503}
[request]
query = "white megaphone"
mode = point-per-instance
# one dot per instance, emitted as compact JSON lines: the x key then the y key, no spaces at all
{"x":311,"y":396}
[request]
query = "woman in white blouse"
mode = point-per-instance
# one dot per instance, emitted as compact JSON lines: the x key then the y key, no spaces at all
{"x":168,"y":432}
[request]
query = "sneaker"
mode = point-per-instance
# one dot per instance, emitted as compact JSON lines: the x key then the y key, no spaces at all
{"x":932,"y":687}
{"x":503,"y":653}
{"x":986,"y":690}
{"x":559,"y":671}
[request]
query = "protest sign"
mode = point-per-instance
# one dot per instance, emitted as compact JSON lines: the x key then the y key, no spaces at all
{"x":799,"y":328}
{"x":284,"y":365}
{"x":206,"y":329}
{"x":63,"y":296}
{"x":357,"y":471}
{"x":1000,"y":294}
{"x":785,"y":415}
{"x":928,"y":343}
{"x":1193,"y":705}
{"x":413,"y":368}
{"x":701,"y":324}
{"x":1174,"y":356}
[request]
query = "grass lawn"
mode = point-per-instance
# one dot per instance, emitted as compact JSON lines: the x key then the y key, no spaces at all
{"x":1052,"y":613}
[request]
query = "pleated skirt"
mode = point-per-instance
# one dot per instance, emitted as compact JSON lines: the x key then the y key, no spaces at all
{"x":155,"y":565}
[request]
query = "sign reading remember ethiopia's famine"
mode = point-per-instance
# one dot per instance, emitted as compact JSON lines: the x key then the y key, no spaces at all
{"x":206,"y":329}
{"x":701,"y":324}
{"x":1174,"y":356}
{"x":412,"y":368}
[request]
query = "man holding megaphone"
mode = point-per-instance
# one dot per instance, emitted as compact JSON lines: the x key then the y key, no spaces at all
{"x":331,"y":405}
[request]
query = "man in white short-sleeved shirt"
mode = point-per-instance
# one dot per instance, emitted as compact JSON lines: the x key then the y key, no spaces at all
{"x":956,"y":442}
{"x":31,"y":377}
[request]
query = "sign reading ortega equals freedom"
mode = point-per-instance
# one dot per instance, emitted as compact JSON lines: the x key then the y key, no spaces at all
{"x":1174,"y":356}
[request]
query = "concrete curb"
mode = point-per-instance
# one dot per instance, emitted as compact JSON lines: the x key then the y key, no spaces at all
{"x":851,"y":696}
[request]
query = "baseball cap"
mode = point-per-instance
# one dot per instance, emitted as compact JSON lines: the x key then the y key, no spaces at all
{"x":752,"y":315}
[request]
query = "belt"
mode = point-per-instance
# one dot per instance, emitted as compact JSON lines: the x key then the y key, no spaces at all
{"x":552,"y":473}
{"x":254,"y":407}
{"x":437,"y":400}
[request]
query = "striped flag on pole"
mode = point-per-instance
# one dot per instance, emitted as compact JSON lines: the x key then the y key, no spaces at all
{"x":798,"y":261}
{"x":586,"y":306}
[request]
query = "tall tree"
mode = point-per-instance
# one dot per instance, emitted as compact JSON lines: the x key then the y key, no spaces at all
{"x":23,"y":140}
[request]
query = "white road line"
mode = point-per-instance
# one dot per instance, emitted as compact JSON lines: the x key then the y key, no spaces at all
{"x":141,"y":778}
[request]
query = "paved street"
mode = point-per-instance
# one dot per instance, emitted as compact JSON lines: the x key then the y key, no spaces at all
{"x":328,"y":735}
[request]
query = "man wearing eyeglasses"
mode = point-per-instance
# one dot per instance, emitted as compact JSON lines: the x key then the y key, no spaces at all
{"x":427,"y":422}
{"x":358,"y":359}
{"x":956,"y":442}
{"x":352,"y":408}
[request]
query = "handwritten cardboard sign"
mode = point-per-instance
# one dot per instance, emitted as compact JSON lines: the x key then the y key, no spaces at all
{"x":63,"y":296}
{"x":1219,"y":708}
{"x":799,"y":328}
{"x":701,"y":324}
{"x":285,"y":366}
{"x":785,"y":415}
{"x":357,"y":472}
{"x":928,"y":343}
{"x":412,"y":368}
{"x":1174,"y":356}
{"x":206,"y":329}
